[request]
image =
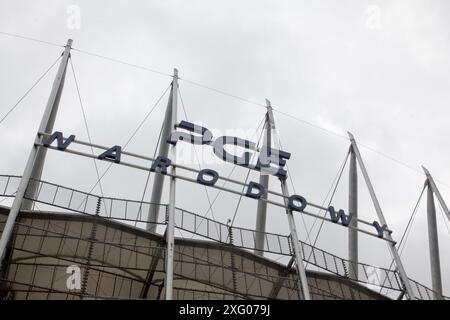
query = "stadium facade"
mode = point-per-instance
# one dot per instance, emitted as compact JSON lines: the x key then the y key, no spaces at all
{"x":89,"y":246}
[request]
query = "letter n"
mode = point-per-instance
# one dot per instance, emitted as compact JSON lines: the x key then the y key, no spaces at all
{"x":58,"y":136}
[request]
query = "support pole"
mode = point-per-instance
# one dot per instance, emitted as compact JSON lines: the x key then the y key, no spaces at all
{"x":353,"y":211}
{"x":436,"y":191}
{"x":302,"y":281}
{"x":261,"y":212}
{"x":36,"y":158}
{"x":436,"y":280}
{"x":170,"y":233}
{"x":52,"y":105}
{"x":382,"y":220}
{"x":298,"y":252}
{"x":163,"y":151}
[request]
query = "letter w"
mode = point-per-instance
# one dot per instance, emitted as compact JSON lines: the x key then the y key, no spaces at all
{"x":62,"y":145}
{"x":340,"y":215}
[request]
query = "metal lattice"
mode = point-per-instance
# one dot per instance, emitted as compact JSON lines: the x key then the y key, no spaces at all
{"x":135,"y":211}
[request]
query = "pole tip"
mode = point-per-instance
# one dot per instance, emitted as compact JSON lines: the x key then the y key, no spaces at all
{"x":268,"y":105}
{"x":425,"y":170}
{"x":69,"y":43}
{"x":350,"y":135}
{"x":175,"y":72}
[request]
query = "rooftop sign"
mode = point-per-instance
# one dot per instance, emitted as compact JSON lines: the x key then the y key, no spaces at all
{"x":270,"y":161}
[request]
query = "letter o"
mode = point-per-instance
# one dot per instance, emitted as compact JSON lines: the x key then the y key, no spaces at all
{"x":207,"y":172}
{"x":293,"y":206}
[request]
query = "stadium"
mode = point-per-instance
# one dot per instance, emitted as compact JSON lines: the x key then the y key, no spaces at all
{"x":83,"y":245}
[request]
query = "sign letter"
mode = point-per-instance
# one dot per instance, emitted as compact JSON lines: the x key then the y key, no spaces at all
{"x":161,"y":163}
{"x":255,"y":195}
{"x":340,"y":215}
{"x":113,"y":153}
{"x":293,"y":206}
{"x":269,"y":156}
{"x":207,"y":172}
{"x":61,"y":145}
{"x":206,"y":135}
{"x":219,"y":150}
{"x":380,"y":229}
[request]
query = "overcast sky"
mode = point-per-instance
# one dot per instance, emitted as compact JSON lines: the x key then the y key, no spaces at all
{"x":380,"y":69}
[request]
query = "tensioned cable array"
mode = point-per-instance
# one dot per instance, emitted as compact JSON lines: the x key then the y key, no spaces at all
{"x":86,"y":125}
{"x":231,"y":171}
{"x":407,"y":229}
{"x":197,"y":158}
{"x":133,"y":134}
{"x":336,"y":184}
{"x":444,"y":218}
{"x":28,"y":91}
{"x":405,"y":235}
{"x":206,"y":87}
{"x":333,"y":133}
{"x":30,"y":39}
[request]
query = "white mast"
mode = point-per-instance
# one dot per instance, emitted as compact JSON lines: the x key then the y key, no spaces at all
{"x":298,"y":252}
{"x":380,"y":214}
{"x":353,"y":211}
{"x":37,"y":154}
{"x":437,"y":192}
{"x":163,"y":151}
{"x":170,"y":231}
{"x":433,"y":242}
{"x":261,"y":212}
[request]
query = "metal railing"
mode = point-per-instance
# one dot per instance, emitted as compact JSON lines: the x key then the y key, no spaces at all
{"x":135,"y":211}
{"x":218,"y":231}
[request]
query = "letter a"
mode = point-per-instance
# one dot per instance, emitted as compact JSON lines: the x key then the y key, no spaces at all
{"x":113,"y":153}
